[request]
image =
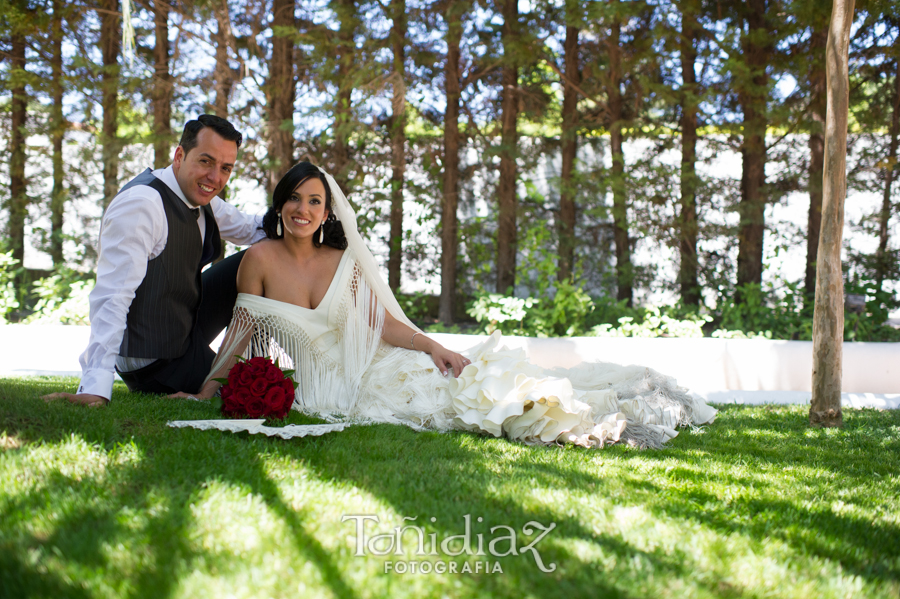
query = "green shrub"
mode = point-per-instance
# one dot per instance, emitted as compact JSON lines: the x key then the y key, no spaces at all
{"x":8,"y":300}
{"x":62,"y":299}
{"x":761,"y":314}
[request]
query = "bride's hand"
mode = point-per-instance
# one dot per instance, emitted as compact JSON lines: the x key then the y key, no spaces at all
{"x":444,"y":359}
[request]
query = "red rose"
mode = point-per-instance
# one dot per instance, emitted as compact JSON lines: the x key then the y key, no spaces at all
{"x":255,"y":408}
{"x":241,"y":396}
{"x":232,"y":411}
{"x":274,"y":399}
{"x":258,"y":387}
{"x":257,"y":366}
{"x":234,"y":375}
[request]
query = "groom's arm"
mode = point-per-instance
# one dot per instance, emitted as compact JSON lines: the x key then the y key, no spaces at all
{"x":240,"y":228}
{"x":131,"y":233}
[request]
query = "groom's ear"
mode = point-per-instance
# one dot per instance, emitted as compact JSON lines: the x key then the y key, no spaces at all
{"x":178,"y":158}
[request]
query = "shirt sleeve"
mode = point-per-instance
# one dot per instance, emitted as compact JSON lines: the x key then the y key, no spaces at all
{"x":240,"y":228}
{"x":131,"y":233}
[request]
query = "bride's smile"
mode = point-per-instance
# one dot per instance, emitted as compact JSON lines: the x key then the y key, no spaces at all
{"x":304,"y":212}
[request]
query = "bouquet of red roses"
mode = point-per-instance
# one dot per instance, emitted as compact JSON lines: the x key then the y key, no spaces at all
{"x":257,"y":388}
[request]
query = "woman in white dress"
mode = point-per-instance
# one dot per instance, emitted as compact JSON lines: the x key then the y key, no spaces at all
{"x":312,"y":296}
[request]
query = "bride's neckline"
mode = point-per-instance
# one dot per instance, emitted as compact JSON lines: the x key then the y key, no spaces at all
{"x":325,"y":298}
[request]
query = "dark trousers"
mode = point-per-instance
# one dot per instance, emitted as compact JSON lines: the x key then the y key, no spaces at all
{"x":188,"y":372}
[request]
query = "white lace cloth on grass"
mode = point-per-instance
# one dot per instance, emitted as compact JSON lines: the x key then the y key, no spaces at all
{"x":256,"y":427}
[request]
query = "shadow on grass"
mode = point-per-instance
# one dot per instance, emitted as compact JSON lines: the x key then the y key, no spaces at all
{"x":83,"y":533}
{"x":422,"y":475}
{"x":867,"y":446}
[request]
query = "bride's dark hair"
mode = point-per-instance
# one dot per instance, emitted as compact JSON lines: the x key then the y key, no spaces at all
{"x":300,"y":172}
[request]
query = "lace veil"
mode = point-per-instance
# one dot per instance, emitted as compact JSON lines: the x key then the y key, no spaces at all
{"x":366,"y":261}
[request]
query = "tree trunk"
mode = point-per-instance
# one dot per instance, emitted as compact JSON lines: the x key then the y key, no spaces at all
{"x":18,"y":202}
{"x":507,"y":235}
{"x":162,"y":87}
{"x":224,"y":77}
{"x":449,"y":240}
{"x":109,"y":47}
{"x":569,"y":151}
{"x":828,"y":318}
{"x":398,"y":142}
{"x":58,"y":129}
{"x":343,"y":109}
{"x":624,"y":269}
{"x":282,"y":89}
{"x":817,"y":90}
{"x":752,"y":97}
{"x":687,"y":273}
{"x":882,"y":265}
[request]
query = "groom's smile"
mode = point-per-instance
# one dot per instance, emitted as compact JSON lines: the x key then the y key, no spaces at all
{"x":203,"y":171}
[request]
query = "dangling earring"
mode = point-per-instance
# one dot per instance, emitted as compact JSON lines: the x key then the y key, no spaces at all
{"x":322,"y":232}
{"x":278,"y":226}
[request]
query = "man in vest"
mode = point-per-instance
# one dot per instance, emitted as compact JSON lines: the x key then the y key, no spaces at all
{"x":153,"y":315}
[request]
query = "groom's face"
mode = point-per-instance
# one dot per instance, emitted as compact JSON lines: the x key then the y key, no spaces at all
{"x":203,"y":172}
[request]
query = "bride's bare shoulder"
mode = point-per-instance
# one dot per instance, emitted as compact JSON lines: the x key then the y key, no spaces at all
{"x":265,"y":250}
{"x":264,"y":246}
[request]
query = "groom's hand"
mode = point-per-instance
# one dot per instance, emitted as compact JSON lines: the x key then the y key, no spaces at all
{"x":84,"y":399}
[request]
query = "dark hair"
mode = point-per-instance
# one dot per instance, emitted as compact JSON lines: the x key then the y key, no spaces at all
{"x":300,"y":172}
{"x":216,"y":123}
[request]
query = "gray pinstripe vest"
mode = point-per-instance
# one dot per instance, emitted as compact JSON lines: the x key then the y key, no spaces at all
{"x":165,"y":304}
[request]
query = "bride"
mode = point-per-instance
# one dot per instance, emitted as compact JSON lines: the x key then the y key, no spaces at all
{"x":311,"y":295}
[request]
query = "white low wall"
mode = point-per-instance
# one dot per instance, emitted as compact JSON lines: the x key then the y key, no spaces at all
{"x":716,"y":364}
{"x":702,"y":365}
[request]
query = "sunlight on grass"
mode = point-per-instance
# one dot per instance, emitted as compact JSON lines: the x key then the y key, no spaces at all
{"x":112,"y":503}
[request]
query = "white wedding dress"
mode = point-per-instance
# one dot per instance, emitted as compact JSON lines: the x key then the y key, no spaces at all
{"x":347,"y":372}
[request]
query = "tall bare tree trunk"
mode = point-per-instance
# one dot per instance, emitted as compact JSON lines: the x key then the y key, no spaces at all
{"x":58,"y":129}
{"x":569,"y":148}
{"x":343,"y":109}
{"x":624,"y":268}
{"x":881,"y":257}
{"x":109,"y":47}
{"x":223,"y":75}
{"x":752,"y":96}
{"x":282,"y":89}
{"x":18,"y":201}
{"x":828,"y":319}
{"x":398,"y":141}
{"x":818,"y":92}
{"x":507,"y":234}
{"x":449,"y":240}
{"x":162,"y":87}
{"x":687,"y":272}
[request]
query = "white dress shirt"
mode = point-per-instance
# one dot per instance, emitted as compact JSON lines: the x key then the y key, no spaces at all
{"x":134,"y":230}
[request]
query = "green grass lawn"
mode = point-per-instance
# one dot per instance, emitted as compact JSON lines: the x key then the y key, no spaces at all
{"x":111,"y":502}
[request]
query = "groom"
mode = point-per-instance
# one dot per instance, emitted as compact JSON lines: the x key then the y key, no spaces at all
{"x":153,"y":314}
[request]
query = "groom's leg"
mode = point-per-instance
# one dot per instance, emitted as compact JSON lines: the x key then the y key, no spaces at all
{"x":219,"y":295}
{"x":185,"y":373}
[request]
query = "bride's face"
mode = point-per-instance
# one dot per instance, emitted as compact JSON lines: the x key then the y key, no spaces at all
{"x":304,"y":212}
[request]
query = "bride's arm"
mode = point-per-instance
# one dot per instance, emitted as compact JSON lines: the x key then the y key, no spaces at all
{"x":240,"y":330}
{"x":400,"y":335}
